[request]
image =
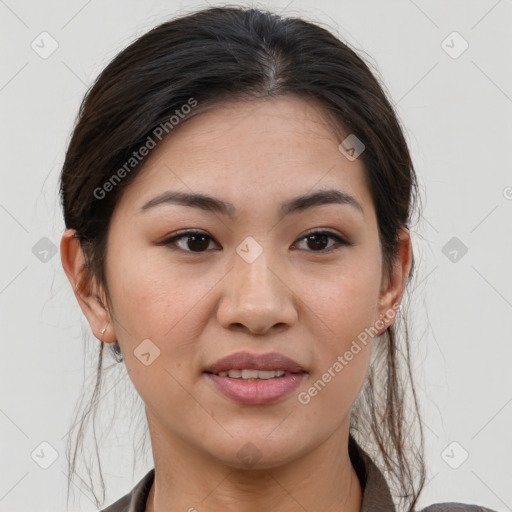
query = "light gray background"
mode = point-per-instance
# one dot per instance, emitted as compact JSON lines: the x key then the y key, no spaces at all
{"x":457,"y":114}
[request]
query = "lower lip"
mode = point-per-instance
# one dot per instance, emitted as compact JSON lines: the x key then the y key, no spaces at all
{"x":257,"y":391}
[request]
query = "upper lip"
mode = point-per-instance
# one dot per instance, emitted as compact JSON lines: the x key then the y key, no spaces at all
{"x":251,"y":361}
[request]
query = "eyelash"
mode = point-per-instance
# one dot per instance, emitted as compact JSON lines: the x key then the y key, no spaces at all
{"x":189,"y":233}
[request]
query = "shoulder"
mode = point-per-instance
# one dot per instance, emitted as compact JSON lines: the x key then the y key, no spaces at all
{"x":455,"y":507}
{"x":135,"y":500}
{"x":121,"y":505}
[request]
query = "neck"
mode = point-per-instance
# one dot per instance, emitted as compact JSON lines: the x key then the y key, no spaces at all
{"x":187,"y":479}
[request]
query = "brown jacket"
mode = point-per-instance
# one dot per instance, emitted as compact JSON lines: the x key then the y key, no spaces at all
{"x":376,"y":493}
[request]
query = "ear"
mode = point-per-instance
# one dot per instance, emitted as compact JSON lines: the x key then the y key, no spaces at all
{"x":88,"y":295}
{"x":392,"y":287}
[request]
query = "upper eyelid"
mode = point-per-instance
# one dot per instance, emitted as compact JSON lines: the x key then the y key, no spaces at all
{"x":193,"y":231}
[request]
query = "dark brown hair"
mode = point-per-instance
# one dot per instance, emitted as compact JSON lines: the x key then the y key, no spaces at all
{"x":215,"y":55}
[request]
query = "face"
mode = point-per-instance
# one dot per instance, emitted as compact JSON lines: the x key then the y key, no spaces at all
{"x":302,"y":281}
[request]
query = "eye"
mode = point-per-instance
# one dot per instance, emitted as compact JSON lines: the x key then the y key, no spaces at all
{"x":197,"y":241}
{"x":319,"y":238}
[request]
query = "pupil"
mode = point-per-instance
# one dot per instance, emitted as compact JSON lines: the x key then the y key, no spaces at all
{"x":194,"y":238}
{"x":313,"y":237}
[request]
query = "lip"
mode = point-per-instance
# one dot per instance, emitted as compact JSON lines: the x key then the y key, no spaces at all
{"x":256,"y":391}
{"x":251,"y":361}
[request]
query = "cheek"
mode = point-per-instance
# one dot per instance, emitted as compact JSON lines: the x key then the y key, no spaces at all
{"x":164,"y":303}
{"x":344,"y":344}
{"x":157,"y":302}
{"x":151,"y":296}
{"x":343,"y":303}
{"x":343,"y":312}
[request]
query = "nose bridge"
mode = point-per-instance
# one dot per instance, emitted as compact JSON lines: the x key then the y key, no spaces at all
{"x":253,"y":268}
{"x":255,"y":295}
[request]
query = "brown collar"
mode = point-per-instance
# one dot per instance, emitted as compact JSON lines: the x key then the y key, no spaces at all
{"x":376,"y":493}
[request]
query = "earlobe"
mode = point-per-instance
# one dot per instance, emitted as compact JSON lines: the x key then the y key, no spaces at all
{"x":105,"y":336}
{"x":88,"y":296}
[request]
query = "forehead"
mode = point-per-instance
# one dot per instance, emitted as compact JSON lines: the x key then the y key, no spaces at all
{"x":251,"y":151}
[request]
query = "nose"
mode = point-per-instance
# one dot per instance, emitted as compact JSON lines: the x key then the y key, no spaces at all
{"x":256,"y":297}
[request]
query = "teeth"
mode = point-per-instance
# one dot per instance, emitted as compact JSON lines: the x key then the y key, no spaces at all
{"x":252,"y":374}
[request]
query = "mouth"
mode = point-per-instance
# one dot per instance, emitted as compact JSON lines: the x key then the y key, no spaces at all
{"x":250,"y":374}
{"x":255,"y":387}
{"x":255,"y":379}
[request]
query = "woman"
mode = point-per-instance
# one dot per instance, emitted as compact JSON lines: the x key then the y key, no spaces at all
{"x":237,"y":195}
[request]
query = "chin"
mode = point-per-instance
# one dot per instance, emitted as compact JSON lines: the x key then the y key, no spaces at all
{"x":258,"y":451}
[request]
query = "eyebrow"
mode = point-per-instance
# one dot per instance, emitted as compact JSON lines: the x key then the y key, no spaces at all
{"x":215,"y":205}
